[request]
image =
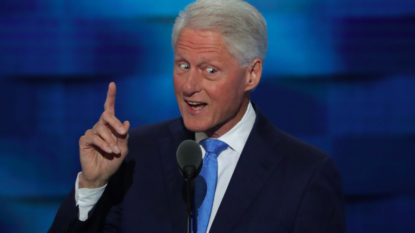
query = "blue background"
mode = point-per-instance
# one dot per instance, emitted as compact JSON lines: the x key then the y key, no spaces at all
{"x":339,"y":74}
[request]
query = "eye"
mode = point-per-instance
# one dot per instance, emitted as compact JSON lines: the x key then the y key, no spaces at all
{"x":184,"y":66}
{"x":210,"y":70}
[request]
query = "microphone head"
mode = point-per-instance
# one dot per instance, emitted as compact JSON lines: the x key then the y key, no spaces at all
{"x":189,"y":156}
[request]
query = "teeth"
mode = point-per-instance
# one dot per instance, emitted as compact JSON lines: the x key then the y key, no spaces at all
{"x":196,"y":105}
{"x":197,"y":108}
{"x":193,"y":103}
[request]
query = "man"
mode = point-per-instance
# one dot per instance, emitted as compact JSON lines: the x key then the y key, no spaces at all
{"x":266,"y":180}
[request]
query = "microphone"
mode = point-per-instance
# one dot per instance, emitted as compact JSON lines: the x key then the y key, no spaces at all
{"x":189,"y":158}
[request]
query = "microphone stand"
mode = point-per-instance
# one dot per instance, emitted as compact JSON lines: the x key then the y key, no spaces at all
{"x":189,"y":203}
{"x":189,"y":174}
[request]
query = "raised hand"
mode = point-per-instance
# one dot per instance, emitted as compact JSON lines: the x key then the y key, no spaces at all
{"x":104,"y":147}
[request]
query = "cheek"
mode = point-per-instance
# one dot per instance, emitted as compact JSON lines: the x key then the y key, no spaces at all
{"x":230,"y":92}
{"x":176,"y":85}
{"x":223,"y":97}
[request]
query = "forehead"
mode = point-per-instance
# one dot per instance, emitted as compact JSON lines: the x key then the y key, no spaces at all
{"x":200,"y":42}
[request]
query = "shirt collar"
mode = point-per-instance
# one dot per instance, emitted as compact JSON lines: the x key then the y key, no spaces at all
{"x":238,"y":135}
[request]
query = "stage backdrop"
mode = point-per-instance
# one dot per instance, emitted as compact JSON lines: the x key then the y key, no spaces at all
{"x":339,"y":74}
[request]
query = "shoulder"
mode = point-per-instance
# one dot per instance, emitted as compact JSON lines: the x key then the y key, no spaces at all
{"x":284,"y":144}
{"x":304,"y":162}
{"x":299,"y":150}
{"x":297,"y":155}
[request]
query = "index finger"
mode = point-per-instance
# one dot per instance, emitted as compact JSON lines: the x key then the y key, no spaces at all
{"x":110,"y":101}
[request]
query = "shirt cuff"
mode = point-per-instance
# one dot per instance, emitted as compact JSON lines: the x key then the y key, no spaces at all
{"x":86,"y":198}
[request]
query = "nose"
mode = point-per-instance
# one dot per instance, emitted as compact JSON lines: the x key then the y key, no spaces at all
{"x":193,"y":83}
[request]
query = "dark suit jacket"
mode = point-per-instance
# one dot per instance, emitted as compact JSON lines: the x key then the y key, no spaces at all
{"x":280,"y":184}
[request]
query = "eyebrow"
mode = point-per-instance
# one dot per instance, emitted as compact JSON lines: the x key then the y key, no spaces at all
{"x":204,"y":59}
{"x":180,"y":57}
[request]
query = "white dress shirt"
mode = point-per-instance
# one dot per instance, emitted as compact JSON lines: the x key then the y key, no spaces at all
{"x":227,"y":160}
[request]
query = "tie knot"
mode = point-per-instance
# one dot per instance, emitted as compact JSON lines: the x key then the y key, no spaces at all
{"x":214,"y":146}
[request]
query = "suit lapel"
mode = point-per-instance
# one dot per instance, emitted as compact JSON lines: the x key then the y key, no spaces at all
{"x":172,"y":178}
{"x":257,"y":161}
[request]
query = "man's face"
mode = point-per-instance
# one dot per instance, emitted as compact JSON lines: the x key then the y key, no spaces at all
{"x":208,"y":83}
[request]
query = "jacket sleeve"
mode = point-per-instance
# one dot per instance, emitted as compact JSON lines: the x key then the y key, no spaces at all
{"x":105,"y":216}
{"x":66,"y":216}
{"x":322,"y":205}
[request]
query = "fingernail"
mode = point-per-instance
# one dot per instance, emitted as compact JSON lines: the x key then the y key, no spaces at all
{"x":108,"y":149}
{"x":116,"y":149}
{"x":122,"y":130}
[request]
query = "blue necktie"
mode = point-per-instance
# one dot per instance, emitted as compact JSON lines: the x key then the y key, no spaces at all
{"x":206,"y":182}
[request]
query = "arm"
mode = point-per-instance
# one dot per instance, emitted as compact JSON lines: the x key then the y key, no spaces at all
{"x":104,"y":217}
{"x":322,"y":206}
{"x":102,"y":151}
{"x":86,"y":198}
{"x":66,"y":216}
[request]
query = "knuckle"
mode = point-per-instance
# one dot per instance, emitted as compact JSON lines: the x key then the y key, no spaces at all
{"x":81,"y":139}
{"x":94,"y":129}
{"x":106,"y":138}
{"x":101,"y":128}
{"x":95,"y":140}
{"x":106,"y":115}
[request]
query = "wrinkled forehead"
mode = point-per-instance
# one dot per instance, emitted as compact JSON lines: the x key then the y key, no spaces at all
{"x":206,"y":42}
{"x":191,"y":41}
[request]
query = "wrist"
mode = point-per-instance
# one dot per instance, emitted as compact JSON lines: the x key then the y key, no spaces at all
{"x":91,"y":184}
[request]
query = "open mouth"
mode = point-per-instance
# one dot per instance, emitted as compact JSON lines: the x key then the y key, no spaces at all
{"x":196,"y":105}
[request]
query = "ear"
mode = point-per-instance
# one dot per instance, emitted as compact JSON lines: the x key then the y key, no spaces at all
{"x":253,"y":74}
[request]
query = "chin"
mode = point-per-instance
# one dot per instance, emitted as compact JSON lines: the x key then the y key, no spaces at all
{"x":195,"y":125}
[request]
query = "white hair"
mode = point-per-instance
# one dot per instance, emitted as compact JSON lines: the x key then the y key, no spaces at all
{"x":241,"y":25}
